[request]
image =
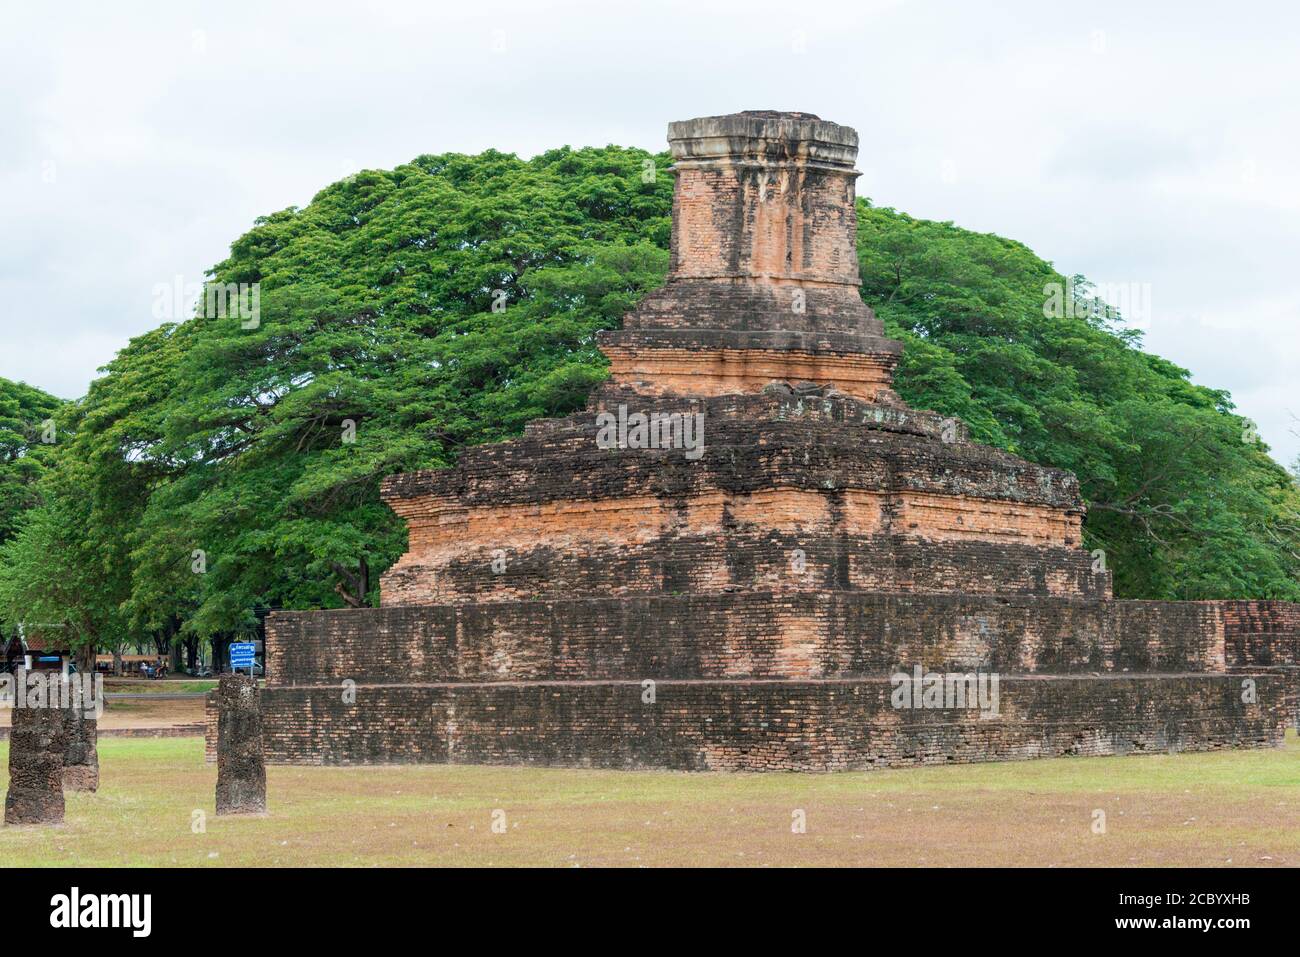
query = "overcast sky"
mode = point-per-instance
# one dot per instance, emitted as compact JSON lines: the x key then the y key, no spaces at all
{"x":1156,"y":146}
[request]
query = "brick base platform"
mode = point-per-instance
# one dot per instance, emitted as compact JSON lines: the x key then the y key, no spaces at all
{"x":825,"y":725}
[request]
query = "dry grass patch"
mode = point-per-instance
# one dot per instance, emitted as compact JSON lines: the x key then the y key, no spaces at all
{"x":141,"y":713}
{"x":1228,"y":807}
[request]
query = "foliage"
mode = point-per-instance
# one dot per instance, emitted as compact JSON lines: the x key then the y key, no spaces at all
{"x":24,"y":412}
{"x":235,"y":466}
{"x":1182,"y":496}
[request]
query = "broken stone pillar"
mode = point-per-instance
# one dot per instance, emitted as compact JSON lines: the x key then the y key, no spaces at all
{"x":36,"y":747}
{"x":81,"y":749}
{"x":241,"y":767}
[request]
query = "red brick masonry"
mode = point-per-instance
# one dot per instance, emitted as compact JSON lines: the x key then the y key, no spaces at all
{"x":564,"y":602}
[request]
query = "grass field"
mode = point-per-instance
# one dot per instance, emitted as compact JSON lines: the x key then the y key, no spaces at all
{"x":1223,"y":808}
{"x":168,"y":686}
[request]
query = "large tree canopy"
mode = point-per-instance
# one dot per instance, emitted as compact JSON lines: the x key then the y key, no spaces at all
{"x":1182,"y":495}
{"x":221,"y":466}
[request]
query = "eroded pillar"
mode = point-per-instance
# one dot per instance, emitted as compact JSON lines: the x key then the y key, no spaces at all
{"x":241,"y":766}
{"x":37,"y":743}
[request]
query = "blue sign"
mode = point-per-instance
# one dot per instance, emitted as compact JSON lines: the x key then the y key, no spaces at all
{"x":242,"y":654}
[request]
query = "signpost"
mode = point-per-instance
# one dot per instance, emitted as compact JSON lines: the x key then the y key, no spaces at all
{"x":242,"y":655}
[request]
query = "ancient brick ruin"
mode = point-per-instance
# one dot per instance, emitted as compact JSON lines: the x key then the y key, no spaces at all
{"x":626,"y":596}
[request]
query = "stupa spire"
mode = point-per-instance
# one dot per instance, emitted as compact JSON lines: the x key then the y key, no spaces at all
{"x":763,"y":280}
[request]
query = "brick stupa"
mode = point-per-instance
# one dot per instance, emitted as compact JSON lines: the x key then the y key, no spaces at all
{"x":743,"y":607}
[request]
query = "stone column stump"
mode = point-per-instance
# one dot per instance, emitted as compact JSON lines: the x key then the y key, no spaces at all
{"x":81,"y":754}
{"x":36,"y":746}
{"x":241,"y":765}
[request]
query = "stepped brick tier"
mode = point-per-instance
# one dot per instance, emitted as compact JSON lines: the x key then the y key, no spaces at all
{"x":722,"y":560}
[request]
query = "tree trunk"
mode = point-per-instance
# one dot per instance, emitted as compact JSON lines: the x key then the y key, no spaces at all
{"x":353,"y":586}
{"x":166,"y":638}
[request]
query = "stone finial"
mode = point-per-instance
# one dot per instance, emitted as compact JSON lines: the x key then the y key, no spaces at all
{"x":765,"y":136}
{"x":763,"y":280}
{"x":36,"y":748}
{"x":765,"y":195}
{"x":241,"y":766}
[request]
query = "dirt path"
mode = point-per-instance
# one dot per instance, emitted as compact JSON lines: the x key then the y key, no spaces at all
{"x":142,"y":713}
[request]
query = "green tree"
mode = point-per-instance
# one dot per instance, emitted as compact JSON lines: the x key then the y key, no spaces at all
{"x":1183,"y":499}
{"x":403,"y":315}
{"x":54,"y":583}
{"x":26,"y":442}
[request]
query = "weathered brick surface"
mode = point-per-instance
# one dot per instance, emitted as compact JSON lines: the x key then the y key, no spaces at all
{"x":779,"y":401}
{"x":739,"y":457}
{"x":516,"y":568}
{"x":37,"y":743}
{"x":826,"y":536}
{"x":763,"y":278}
{"x":727,"y":371}
{"x":754,"y":313}
{"x":556,"y":490}
{"x":779,"y":540}
{"x":753,"y":635}
{"x":762,"y":195}
{"x":1264,"y":636}
{"x":761,"y":726}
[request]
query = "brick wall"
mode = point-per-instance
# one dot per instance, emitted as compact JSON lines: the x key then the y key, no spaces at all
{"x":1261,"y":634}
{"x":740,"y":636}
{"x":1264,"y":636}
{"x":760,"y":726}
{"x":739,"y":370}
{"x":740,"y":456}
{"x":518,"y":569}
